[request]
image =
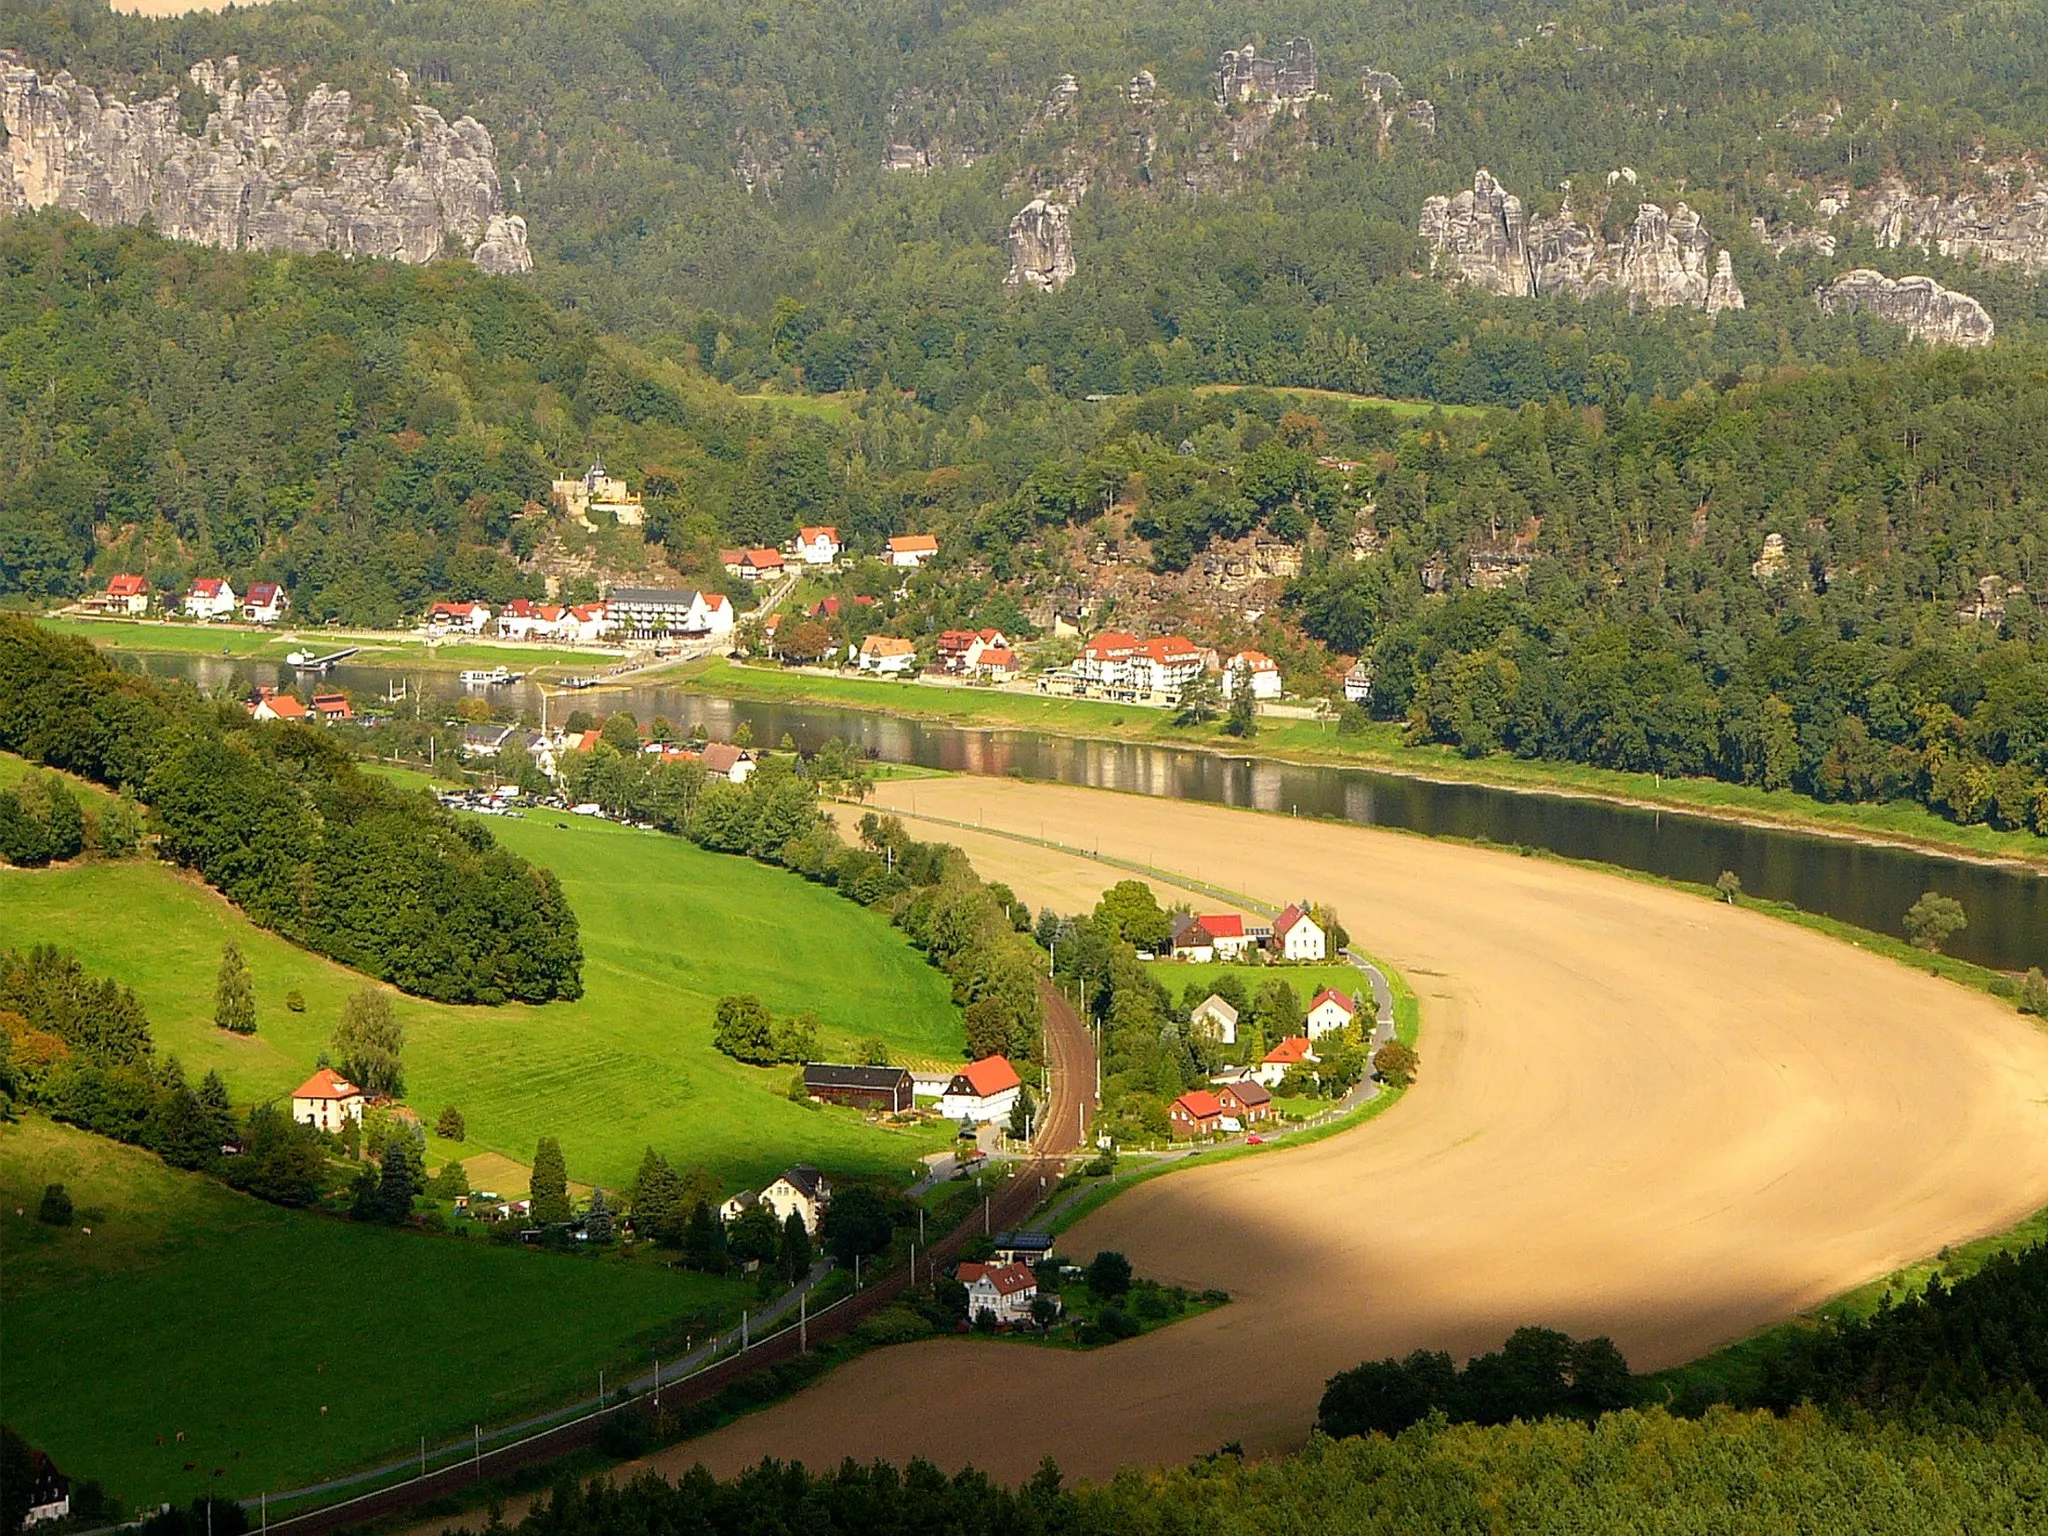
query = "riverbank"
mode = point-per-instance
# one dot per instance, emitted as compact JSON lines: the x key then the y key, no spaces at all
{"x":246,"y":642}
{"x":1315,"y":743}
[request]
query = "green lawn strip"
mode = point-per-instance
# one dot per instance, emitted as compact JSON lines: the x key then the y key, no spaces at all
{"x":667,"y":929}
{"x":13,"y":769}
{"x":1406,"y":409}
{"x":193,"y":1310}
{"x":1307,"y":980}
{"x":1316,"y":744}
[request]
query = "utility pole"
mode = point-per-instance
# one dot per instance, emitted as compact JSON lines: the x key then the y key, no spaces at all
{"x":478,"y":1464}
{"x":423,"y":1455}
{"x":803,"y":1322}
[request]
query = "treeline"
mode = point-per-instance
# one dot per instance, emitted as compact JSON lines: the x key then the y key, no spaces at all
{"x":79,"y":1048}
{"x":1538,"y":1373}
{"x":280,"y":820}
{"x":1631,"y":1472}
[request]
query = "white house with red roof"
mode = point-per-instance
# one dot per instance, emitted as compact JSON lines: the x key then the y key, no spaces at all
{"x":585,"y":622}
{"x":126,"y":594}
{"x":1228,"y":934}
{"x":982,"y":1091}
{"x":1331,"y":1010}
{"x":1297,"y":936}
{"x":996,"y":663}
{"x":908,"y":551}
{"x":1105,"y":661}
{"x":887,"y":656}
{"x":211,"y":598}
{"x":1165,"y":665}
{"x":1004,"y":1291}
{"x":1261,"y":671}
{"x":818,"y":545}
{"x":450,"y":618}
{"x":264,"y":603}
{"x":760,"y":564}
{"x":1191,"y":940}
{"x":327,"y":1100}
{"x":272,"y":705}
{"x":331,"y":708}
{"x":1294,"y":1051}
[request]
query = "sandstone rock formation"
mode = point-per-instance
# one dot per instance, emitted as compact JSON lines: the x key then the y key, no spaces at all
{"x":1041,"y":245}
{"x":1422,"y":113}
{"x":1485,"y":237}
{"x":261,"y":174}
{"x":2007,"y":225}
{"x":1142,"y":87}
{"x":1288,"y":79}
{"x":1929,"y":311}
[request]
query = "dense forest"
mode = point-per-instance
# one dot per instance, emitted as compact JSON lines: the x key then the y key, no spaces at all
{"x":280,"y":820}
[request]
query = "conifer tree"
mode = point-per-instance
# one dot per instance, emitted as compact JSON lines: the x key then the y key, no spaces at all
{"x":795,"y":1259}
{"x":234,"y":995}
{"x":550,"y":1187}
{"x":704,"y":1242}
{"x":597,"y":1219}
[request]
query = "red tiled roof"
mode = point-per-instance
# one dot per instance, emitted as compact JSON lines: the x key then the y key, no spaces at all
{"x":1170,"y":648}
{"x":327,"y":1084}
{"x":1199,"y":1103}
{"x":1008,"y":1279}
{"x":126,"y":585}
{"x":996,"y":656}
{"x":1258,"y":661}
{"x":913,"y":543}
{"x":762,"y":559}
{"x":989,"y":1076}
{"x":206,"y":586}
{"x":285,"y":707}
{"x":812,"y":535}
{"x":1286,"y":921}
{"x":1295,"y":1048}
{"x":1332,"y":995}
{"x":886,"y":645}
{"x":262,"y":594}
{"x":1223,"y":925}
{"x":1111,"y":643}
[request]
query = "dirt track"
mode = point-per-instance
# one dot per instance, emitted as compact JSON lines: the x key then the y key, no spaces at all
{"x":1640,"y":1113}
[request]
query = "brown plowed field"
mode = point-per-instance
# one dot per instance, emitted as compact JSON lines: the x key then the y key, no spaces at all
{"x":1640,"y":1113}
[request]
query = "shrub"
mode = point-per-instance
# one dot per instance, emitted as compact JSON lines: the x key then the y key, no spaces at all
{"x":1108,"y":1275}
{"x":55,"y":1209}
{"x":449,"y":1125}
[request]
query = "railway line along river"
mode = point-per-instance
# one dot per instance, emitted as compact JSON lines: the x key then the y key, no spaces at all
{"x":1868,"y":884}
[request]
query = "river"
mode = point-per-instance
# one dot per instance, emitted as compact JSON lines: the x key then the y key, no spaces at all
{"x":1867,"y":885}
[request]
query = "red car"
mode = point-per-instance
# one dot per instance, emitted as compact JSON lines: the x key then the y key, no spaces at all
{"x":1255,"y":1141}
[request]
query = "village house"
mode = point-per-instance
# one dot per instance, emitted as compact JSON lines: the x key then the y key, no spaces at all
{"x":1105,"y":661}
{"x":723,"y":760}
{"x":486,"y":740}
{"x":264,"y":603}
{"x":818,"y":546}
{"x":802,"y":1190}
{"x":602,"y":493}
{"x":327,"y":1099}
{"x":1021,"y":1247}
{"x":832,"y":607}
{"x":272,"y":705}
{"x":1192,"y":941}
{"x":1215,"y":1018}
{"x":887,"y":656}
{"x":760,"y":564}
{"x":331,"y":708}
{"x":524,"y":619}
{"x":1358,"y":683}
{"x":996,"y":663}
{"x":888,"y":1089}
{"x":646,"y":613}
{"x":982,"y":1092}
{"x":1258,"y":668}
{"x":1004,"y":1291}
{"x":454,"y":618}
{"x":49,"y":1492}
{"x":1228,"y":932}
{"x":1331,"y":1010}
{"x":1198,"y":1112}
{"x":1294,"y":1051}
{"x":211,"y":598}
{"x":965,"y":650}
{"x":585,"y":622}
{"x":1297,"y":936}
{"x":1166,"y":665}
{"x":908,"y":551}
{"x":1245,"y":1101}
{"x":126,"y":596}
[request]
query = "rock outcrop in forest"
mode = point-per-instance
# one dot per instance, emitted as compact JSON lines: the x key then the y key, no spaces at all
{"x":260,"y":171}
{"x":1041,"y":245}
{"x":2005,"y":225}
{"x":1662,"y":261}
{"x":1929,"y":311}
{"x":1287,"y":79}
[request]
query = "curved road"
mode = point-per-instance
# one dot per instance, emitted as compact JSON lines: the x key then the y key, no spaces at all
{"x":1639,"y":1113}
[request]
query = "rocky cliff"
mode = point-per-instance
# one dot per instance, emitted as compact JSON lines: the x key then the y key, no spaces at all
{"x":1662,"y":261}
{"x":261,"y":173}
{"x":1288,"y":79}
{"x":2006,"y":224}
{"x":1931,"y":312}
{"x":1041,"y":245}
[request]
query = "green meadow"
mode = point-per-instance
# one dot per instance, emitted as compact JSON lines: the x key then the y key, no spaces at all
{"x":667,"y":929}
{"x":192,"y":1324}
{"x":1307,"y":980}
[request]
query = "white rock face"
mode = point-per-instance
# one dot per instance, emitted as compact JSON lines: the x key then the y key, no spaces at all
{"x":260,"y":174}
{"x":1041,"y":245}
{"x":1931,"y":312}
{"x":1485,"y":237}
{"x":2006,"y":227}
{"x":1287,"y":79}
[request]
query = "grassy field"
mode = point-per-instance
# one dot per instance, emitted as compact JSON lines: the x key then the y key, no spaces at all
{"x":1307,"y":980}
{"x":284,"y":1347}
{"x":1403,"y":408}
{"x":1379,"y":747}
{"x":192,"y":639}
{"x":667,"y":929}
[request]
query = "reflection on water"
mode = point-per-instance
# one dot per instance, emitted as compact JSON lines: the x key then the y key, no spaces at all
{"x":1871,"y":887}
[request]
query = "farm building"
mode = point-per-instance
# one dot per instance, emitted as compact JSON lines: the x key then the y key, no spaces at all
{"x":1022,"y":1247}
{"x":984,"y":1091}
{"x":884,"y":1088}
